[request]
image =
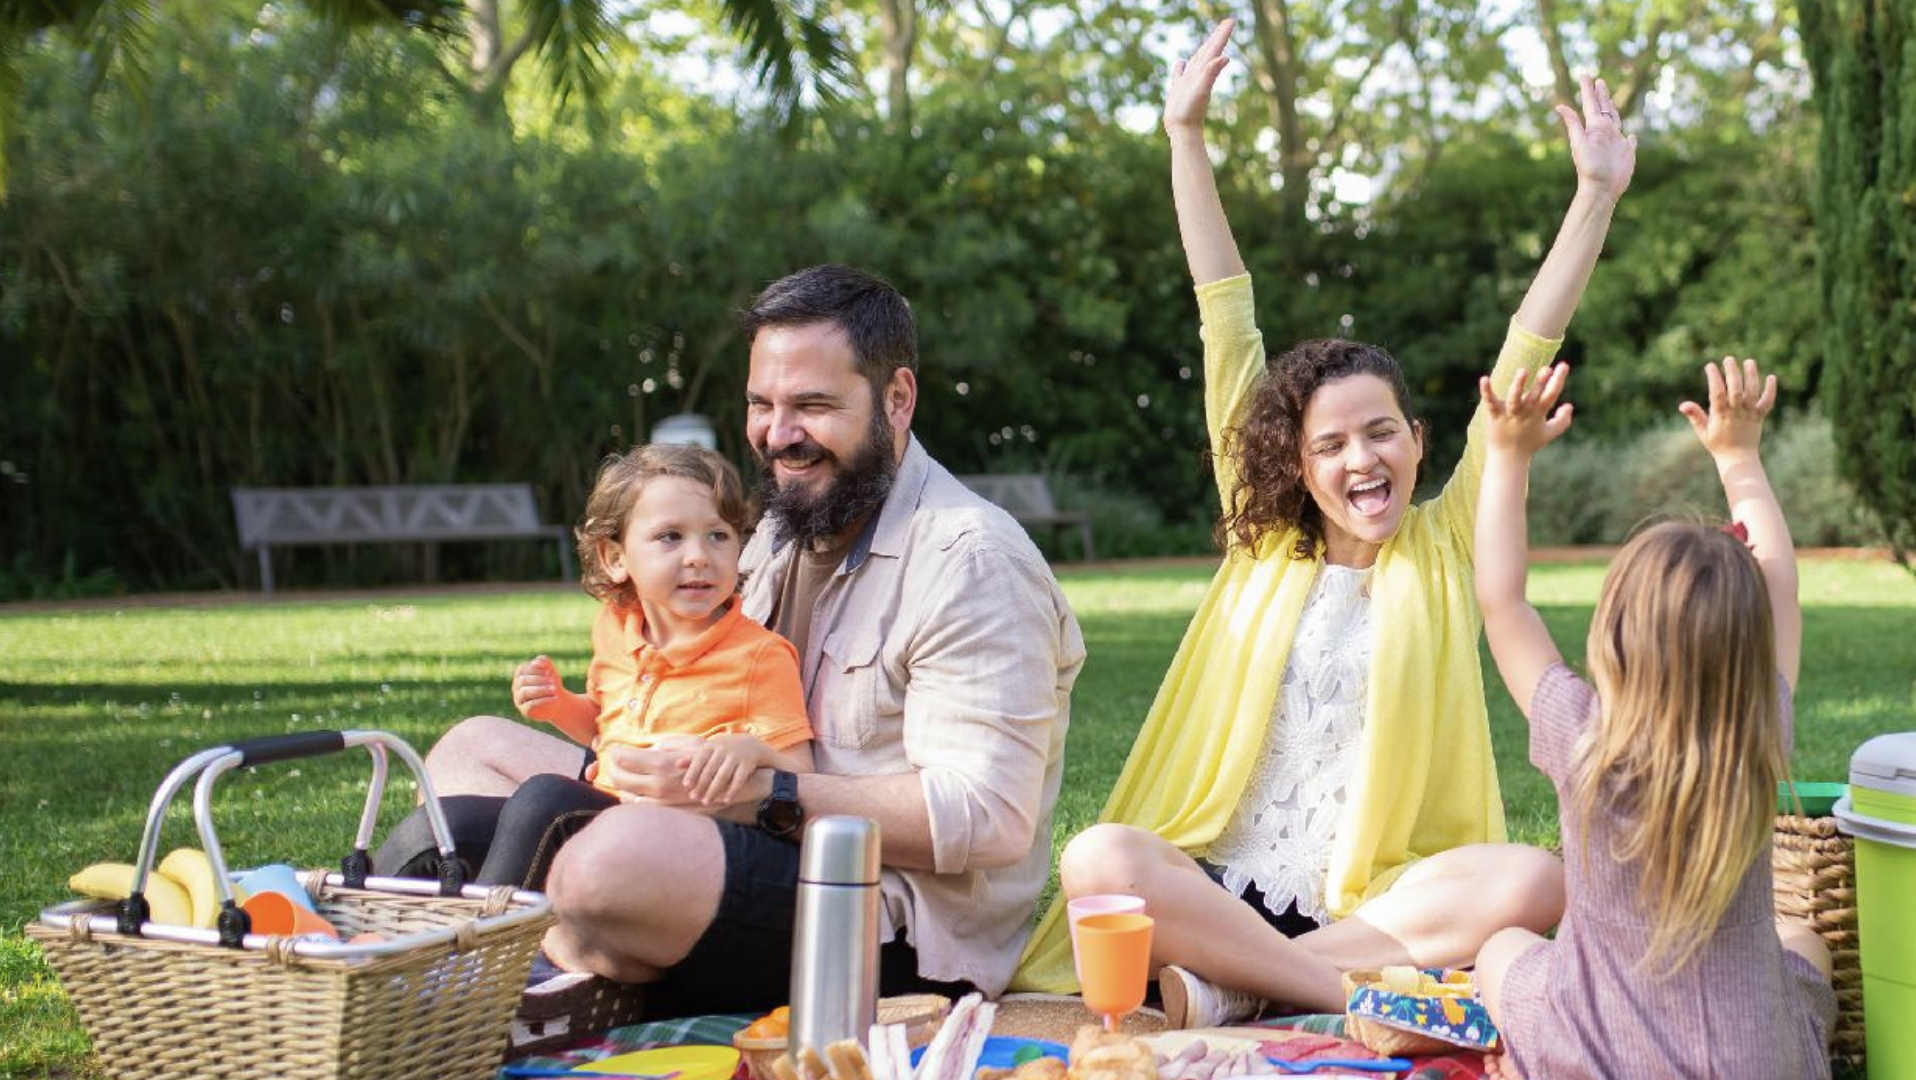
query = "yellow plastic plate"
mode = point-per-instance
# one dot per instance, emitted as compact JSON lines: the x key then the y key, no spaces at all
{"x":690,"y":1062}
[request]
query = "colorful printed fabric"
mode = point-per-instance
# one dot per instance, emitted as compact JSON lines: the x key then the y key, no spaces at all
{"x":1321,"y":1036}
{"x":686,"y":1031}
{"x":1304,"y":1038}
{"x":1460,"y":1021}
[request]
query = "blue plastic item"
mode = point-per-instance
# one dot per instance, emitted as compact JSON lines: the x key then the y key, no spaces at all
{"x":1008,"y":1052}
{"x":1390,"y":1065}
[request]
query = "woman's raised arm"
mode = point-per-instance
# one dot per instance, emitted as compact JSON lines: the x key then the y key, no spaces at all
{"x":1605,"y":158}
{"x":1208,"y":243}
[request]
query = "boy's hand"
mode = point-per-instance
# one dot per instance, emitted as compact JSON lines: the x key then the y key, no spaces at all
{"x":1523,"y":422}
{"x":536,"y":690}
{"x":1740,"y":397}
{"x":718,"y":768}
{"x":1187,"y":98}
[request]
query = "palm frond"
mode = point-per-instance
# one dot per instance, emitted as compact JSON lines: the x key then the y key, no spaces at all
{"x":433,"y":16}
{"x":793,"y":48}
{"x":573,"y":40}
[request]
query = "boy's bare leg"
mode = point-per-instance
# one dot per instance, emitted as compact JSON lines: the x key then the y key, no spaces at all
{"x":489,"y":755}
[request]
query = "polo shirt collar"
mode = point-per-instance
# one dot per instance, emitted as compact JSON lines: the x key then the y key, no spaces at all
{"x":886,"y":531}
{"x":684,"y":651}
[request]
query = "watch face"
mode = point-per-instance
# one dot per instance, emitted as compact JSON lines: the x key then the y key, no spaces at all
{"x":778,"y":817}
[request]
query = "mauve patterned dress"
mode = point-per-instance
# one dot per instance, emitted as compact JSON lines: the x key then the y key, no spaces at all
{"x":1743,"y":1008}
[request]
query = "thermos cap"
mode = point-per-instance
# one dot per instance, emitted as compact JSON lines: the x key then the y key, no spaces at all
{"x":839,"y":850}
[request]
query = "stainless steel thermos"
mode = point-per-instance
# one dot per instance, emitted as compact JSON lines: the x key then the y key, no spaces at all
{"x":835,"y":935}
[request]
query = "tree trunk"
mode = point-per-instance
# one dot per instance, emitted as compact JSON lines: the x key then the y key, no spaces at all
{"x":1278,"y":72}
{"x":1553,"y":45}
{"x":899,"y":20}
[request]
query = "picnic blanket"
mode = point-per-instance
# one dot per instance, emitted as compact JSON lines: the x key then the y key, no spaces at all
{"x":1294,"y":1038}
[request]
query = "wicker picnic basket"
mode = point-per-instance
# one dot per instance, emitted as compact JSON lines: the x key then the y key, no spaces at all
{"x":1815,"y":885}
{"x":434,"y":998}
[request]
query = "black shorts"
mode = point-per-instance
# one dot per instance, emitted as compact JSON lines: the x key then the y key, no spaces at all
{"x":743,"y":962}
{"x":1290,"y":922}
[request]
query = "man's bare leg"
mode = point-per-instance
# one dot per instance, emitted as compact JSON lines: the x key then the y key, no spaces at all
{"x":635,"y":891}
{"x":489,"y":755}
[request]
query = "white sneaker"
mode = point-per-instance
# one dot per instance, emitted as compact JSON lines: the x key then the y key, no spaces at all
{"x":1192,"y":1002}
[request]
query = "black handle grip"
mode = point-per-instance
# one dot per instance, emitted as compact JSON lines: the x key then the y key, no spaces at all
{"x":287,"y":747}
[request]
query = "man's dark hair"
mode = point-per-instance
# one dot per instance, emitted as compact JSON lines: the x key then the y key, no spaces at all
{"x":875,"y":318}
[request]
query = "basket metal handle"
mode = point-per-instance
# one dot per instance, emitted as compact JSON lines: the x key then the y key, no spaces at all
{"x":210,"y":763}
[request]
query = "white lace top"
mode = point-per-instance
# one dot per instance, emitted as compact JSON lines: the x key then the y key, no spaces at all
{"x":1280,"y":837}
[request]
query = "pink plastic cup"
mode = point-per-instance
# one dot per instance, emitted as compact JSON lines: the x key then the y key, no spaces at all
{"x":1103,"y":904}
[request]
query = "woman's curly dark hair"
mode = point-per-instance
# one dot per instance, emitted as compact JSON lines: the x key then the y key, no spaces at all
{"x":1266,"y":449}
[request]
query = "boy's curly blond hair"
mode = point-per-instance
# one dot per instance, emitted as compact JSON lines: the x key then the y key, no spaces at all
{"x":616,"y":490}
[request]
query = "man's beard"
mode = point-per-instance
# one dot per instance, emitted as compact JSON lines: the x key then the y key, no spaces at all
{"x":858,"y":489}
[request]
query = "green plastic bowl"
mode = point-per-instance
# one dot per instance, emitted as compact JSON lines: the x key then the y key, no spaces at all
{"x":1818,"y":797}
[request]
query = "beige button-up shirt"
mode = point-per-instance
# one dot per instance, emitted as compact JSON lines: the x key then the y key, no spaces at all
{"x":943,"y":646}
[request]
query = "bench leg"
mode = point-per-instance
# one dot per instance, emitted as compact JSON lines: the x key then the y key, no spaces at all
{"x":266,"y":569}
{"x":565,"y":559}
{"x":1084,"y":535}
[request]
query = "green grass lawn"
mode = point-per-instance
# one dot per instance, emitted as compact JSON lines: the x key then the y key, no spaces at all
{"x":96,"y":706}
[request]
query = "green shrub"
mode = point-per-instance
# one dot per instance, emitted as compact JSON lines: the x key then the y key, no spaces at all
{"x":1598,"y":491}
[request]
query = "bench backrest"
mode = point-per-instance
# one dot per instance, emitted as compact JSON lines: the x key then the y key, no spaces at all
{"x":1022,"y":495}
{"x":408,"y":512}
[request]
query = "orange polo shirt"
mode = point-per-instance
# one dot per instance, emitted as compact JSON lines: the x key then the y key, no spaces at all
{"x":733,"y":678}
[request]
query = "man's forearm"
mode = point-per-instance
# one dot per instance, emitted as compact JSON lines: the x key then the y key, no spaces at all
{"x":895,"y":802}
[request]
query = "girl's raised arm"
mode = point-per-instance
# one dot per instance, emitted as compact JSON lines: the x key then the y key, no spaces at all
{"x":1732,"y":431}
{"x":1516,"y":428}
{"x":1605,"y":159}
{"x":1208,"y":244}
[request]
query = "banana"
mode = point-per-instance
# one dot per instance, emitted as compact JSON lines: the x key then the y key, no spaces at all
{"x":166,"y":899}
{"x":194,"y":872}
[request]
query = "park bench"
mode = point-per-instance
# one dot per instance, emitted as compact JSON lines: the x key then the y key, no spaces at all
{"x":429,"y":513}
{"x":1027,"y":497}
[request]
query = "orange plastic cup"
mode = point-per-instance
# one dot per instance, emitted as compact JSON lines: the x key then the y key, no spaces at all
{"x":1102,"y":904}
{"x":1114,"y":963}
{"x":277,"y":913}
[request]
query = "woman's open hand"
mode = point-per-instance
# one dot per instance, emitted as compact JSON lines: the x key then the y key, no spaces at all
{"x":1523,"y":421}
{"x":1187,"y":97}
{"x":1605,"y":157}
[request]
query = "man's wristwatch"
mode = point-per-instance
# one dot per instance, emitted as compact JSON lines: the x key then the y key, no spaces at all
{"x":779,"y":813}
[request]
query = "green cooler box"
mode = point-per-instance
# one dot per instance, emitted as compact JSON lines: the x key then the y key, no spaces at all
{"x":1880,"y":812}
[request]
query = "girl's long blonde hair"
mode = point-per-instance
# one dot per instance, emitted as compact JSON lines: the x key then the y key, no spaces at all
{"x":1689,"y":748}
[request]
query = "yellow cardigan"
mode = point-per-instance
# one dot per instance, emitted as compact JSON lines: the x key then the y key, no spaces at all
{"x":1427,"y":782}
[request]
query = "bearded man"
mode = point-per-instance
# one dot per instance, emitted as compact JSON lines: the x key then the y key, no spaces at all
{"x":937,"y":655}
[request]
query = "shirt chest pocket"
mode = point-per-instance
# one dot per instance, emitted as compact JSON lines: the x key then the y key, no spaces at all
{"x":852,"y":697}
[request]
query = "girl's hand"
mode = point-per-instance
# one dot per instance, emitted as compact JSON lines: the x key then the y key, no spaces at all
{"x":1605,"y":157}
{"x":1740,"y":397}
{"x":1187,"y":97}
{"x":1523,"y":422}
{"x":536,"y":689}
{"x":718,"y":769}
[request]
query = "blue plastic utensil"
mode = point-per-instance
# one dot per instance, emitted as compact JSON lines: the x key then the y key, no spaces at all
{"x":1294,"y":1068}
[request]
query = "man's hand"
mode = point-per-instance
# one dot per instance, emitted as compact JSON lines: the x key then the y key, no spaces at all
{"x":1523,"y":422}
{"x":1605,"y":157}
{"x":1187,"y":98}
{"x":1741,"y":396}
